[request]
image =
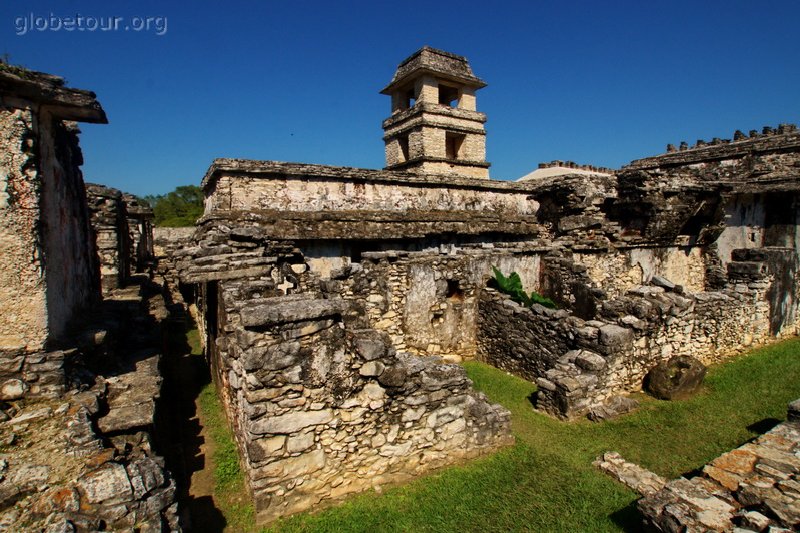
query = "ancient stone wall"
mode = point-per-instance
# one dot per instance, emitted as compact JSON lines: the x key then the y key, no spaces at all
{"x":427,"y":300}
{"x":140,"y":233}
{"x":166,"y":243}
{"x":109,"y":223}
{"x":580,"y":363}
{"x":620,"y":271}
{"x":48,"y":274}
{"x":48,"y":271}
{"x":323,"y":407}
{"x":123,"y":233}
{"x":296,"y":187}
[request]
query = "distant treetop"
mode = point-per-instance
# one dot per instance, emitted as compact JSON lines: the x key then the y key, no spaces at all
{"x":179,"y":208}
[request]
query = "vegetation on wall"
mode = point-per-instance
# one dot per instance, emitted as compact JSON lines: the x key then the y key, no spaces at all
{"x":512,"y":285}
{"x":179,"y":208}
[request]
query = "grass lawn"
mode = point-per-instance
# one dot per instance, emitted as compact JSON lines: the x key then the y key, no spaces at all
{"x":546,"y":481}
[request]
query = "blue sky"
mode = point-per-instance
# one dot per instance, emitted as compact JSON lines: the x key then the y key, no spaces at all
{"x":590,"y":81}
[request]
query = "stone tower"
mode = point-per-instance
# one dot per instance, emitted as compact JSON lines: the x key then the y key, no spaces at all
{"x":435,"y":127}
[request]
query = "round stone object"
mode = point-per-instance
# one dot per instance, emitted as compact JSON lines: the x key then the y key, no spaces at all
{"x":676,"y":379}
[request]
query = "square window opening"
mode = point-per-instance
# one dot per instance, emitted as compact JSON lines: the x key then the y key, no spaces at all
{"x":454,"y":145}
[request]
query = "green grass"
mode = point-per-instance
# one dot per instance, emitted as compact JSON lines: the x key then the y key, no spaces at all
{"x":546,"y":482}
{"x":229,"y":485}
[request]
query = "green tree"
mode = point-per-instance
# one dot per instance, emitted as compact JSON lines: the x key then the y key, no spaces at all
{"x":179,"y":208}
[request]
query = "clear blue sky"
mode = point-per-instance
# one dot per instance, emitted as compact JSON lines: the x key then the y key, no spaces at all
{"x":598,"y":82}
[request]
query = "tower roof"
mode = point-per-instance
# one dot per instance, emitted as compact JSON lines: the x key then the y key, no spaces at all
{"x":438,"y":62}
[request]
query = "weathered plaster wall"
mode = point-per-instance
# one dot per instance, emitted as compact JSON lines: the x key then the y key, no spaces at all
{"x":621,"y":270}
{"x":48,"y":271}
{"x":23,"y":322}
{"x":70,"y":260}
{"x":375,"y":191}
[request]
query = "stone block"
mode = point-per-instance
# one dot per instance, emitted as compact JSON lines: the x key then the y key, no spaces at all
{"x":394,"y":376}
{"x":678,"y":378}
{"x":615,"y":336}
{"x":293,"y":310}
{"x":300,"y":443}
{"x":370,"y":344}
{"x":371,"y":369}
{"x":290,"y":422}
{"x":13,"y":389}
{"x":590,"y":361}
{"x":794,"y":411}
{"x":274,"y":357}
{"x":110,"y":482}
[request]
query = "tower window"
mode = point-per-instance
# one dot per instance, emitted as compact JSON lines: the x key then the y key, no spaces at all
{"x":454,"y":145}
{"x":448,"y":96}
{"x":402,"y":142}
{"x":410,"y":98}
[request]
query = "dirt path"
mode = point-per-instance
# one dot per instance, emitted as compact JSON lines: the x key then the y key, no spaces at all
{"x":184,"y":439}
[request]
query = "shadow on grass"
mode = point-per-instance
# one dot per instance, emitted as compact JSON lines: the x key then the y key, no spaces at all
{"x":628,"y":518}
{"x":762,"y":426}
{"x":185,"y":375}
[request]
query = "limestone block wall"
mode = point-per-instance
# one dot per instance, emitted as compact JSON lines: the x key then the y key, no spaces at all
{"x":581,"y":363}
{"x":167,"y":242}
{"x":109,"y":222}
{"x":323,"y":406}
{"x":426,"y":301}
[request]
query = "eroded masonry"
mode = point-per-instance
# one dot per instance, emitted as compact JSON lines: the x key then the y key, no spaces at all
{"x":79,"y":366}
{"x":335,"y":301}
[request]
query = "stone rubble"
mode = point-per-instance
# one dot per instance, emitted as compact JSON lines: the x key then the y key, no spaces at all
{"x":755,"y":487}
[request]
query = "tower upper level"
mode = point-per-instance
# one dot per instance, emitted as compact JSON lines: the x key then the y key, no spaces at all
{"x":435,"y":126}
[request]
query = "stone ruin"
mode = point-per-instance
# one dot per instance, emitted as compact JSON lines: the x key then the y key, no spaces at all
{"x":335,"y":303}
{"x":751,"y":488}
{"x":79,"y":368}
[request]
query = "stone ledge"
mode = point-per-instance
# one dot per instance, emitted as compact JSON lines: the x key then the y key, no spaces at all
{"x":279,"y":169}
{"x":291,"y":311}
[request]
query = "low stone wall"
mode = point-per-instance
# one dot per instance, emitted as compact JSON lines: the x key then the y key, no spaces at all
{"x":323,"y":406}
{"x":752,"y":488}
{"x":581,"y":364}
{"x":39,"y":374}
{"x":167,"y":243}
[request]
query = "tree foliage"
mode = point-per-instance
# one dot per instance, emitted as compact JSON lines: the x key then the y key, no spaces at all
{"x":179,"y":208}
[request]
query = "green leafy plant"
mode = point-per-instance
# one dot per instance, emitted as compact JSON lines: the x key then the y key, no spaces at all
{"x":512,"y":285}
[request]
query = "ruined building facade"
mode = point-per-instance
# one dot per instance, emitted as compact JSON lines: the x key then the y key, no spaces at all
{"x":334,"y":301}
{"x":79,"y":368}
{"x":48,"y":271}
